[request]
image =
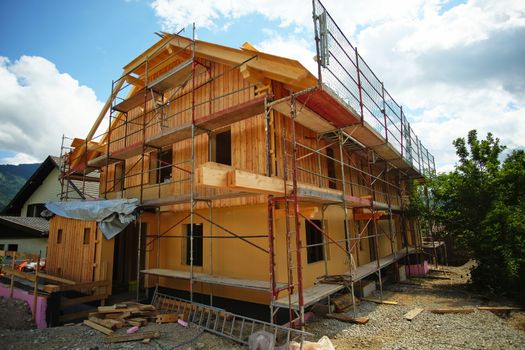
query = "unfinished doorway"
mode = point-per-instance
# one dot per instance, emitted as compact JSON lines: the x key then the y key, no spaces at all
{"x":126,"y":256}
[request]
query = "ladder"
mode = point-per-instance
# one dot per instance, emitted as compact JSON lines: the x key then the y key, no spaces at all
{"x":221,"y":322}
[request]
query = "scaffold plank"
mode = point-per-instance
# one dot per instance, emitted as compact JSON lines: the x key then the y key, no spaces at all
{"x":311,"y":295}
{"x":367,"y":269}
{"x":115,"y":156}
{"x":330,"y":107}
{"x":304,"y":116}
{"x":232,"y":115}
{"x":139,"y":99}
{"x":173,"y":78}
{"x":213,"y":279}
{"x":172,"y":135}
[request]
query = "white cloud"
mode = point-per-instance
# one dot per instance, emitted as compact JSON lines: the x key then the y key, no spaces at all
{"x":290,"y":46}
{"x":38,"y":104}
{"x":462,"y":69}
{"x":19,"y":158}
{"x":457,"y":66}
{"x":177,"y":14}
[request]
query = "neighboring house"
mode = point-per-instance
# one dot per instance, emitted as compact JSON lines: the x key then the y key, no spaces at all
{"x":257,"y":179}
{"x":21,"y":226}
{"x":25,"y":234}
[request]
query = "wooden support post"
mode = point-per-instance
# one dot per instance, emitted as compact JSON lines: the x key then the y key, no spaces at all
{"x":13,"y":265}
{"x":35,"y":291}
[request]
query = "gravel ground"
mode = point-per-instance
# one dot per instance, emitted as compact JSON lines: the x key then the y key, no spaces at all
{"x":80,"y":337}
{"x":387,"y":329}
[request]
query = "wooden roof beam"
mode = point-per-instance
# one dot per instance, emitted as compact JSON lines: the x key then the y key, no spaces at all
{"x":276,"y":68}
{"x":142,"y":58}
{"x":134,"y":81}
{"x":253,"y":75}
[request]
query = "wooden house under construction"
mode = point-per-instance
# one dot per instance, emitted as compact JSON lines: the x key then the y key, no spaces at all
{"x":258,"y":181}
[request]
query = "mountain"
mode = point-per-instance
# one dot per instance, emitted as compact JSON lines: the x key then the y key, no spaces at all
{"x":12,"y":178}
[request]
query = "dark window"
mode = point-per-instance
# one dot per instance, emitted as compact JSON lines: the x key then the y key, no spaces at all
{"x":34,"y":210}
{"x":223,"y":147}
{"x":330,"y":163}
{"x":164,"y":165}
{"x":197,"y":244}
{"x":314,"y":237}
{"x":2,"y":246}
{"x":59,"y":236}
{"x":87,"y":234}
{"x":12,"y":247}
{"x":120,"y":174}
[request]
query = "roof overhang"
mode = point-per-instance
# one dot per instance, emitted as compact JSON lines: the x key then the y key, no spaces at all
{"x":23,"y":227}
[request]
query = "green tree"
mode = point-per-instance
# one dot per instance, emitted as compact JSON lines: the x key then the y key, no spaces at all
{"x":481,"y":206}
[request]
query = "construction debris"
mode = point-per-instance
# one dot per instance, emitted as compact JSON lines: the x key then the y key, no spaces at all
{"x":378,"y":301}
{"x":413,"y":313}
{"x":132,"y":330}
{"x":110,"y":318}
{"x":434,"y":277}
{"x":108,"y":323}
{"x":343,"y":302}
{"x":129,"y":313}
{"x":131,"y":337}
{"x":167,"y":318}
{"x":453,"y":310}
{"x":98,"y":327}
{"x":499,"y":309}
{"x":494,"y":309}
{"x":344,"y":318}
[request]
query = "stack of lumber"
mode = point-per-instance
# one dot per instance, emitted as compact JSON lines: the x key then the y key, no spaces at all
{"x":109,"y":318}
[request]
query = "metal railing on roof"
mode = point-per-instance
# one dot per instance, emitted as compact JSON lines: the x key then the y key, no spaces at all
{"x":343,"y":70}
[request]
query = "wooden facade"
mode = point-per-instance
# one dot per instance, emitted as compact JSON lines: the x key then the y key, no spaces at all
{"x":230,"y":90}
{"x":78,"y":251}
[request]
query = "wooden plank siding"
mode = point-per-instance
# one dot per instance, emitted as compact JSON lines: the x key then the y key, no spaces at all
{"x":71,"y":257}
{"x":225,"y":90}
{"x":75,"y":259}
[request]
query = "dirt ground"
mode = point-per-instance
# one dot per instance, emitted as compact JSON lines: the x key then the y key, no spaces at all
{"x":386,"y":329}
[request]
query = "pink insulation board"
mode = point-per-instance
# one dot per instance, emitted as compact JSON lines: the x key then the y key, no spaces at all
{"x":41,"y":303}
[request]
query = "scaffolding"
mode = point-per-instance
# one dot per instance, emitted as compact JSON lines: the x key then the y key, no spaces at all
{"x":360,"y":131}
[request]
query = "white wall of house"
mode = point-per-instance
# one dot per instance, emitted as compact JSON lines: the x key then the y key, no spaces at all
{"x":49,"y":190}
{"x":31,"y":245}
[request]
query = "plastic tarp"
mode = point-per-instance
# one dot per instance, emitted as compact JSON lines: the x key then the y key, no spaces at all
{"x":112,"y":215}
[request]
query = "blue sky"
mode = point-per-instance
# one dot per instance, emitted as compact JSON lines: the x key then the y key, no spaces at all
{"x":454,"y":65}
{"x":92,"y":40}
